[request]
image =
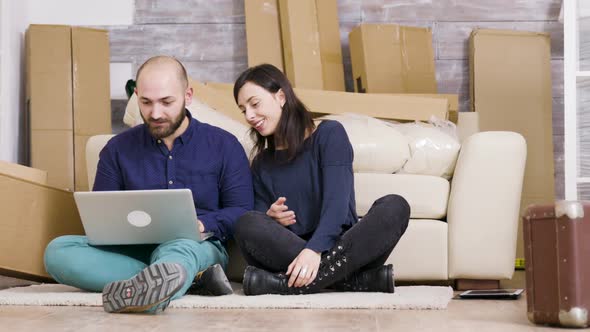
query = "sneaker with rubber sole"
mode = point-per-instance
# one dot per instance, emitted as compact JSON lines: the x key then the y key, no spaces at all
{"x":149,"y":291}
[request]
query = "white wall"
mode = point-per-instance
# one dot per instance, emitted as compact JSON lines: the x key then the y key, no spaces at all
{"x":81,"y":12}
{"x":12,"y":89}
{"x":583,"y":8}
{"x":15,"y":17}
{"x":120,"y":73}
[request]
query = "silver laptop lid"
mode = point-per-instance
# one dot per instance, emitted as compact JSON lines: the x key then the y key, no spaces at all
{"x":137,"y":216}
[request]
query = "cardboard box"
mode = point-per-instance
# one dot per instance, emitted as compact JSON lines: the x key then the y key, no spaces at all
{"x":453,"y":114}
{"x":375,"y":105}
{"x":49,"y":77}
{"x":54,"y":149}
{"x":467,"y":124}
{"x":49,"y":101}
{"x":91,"y":94}
{"x":263,"y":33}
{"x":397,"y":107}
{"x":68,"y":94}
{"x":80,"y":162}
{"x":330,"y":45}
{"x":510,"y":83}
{"x":33,"y":214}
{"x":219,"y":97}
{"x":389,"y":58}
{"x":301,"y":43}
{"x":91,"y":79}
{"x":452,"y":99}
{"x":20,"y":171}
{"x":311,"y":44}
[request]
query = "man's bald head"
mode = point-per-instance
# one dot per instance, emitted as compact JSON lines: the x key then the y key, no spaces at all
{"x":162,"y":93}
{"x":163,"y":61}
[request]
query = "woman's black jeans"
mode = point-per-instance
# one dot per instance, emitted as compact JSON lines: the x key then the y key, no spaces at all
{"x":268,"y":245}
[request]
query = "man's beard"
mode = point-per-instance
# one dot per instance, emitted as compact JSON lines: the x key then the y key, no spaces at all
{"x":165,"y":131}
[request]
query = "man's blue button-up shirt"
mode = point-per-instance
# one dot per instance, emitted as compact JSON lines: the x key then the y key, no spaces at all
{"x":205,"y":159}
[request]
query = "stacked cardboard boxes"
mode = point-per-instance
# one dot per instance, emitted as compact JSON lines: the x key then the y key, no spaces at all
{"x":301,"y":37}
{"x":304,"y":34}
{"x":49,"y":102}
{"x":68,"y":99}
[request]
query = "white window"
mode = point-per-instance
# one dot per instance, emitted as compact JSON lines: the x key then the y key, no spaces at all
{"x":577,"y":98}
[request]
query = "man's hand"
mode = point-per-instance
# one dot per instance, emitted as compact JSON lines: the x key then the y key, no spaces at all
{"x":280,"y":212}
{"x":304,"y":268}
{"x":201,"y":226}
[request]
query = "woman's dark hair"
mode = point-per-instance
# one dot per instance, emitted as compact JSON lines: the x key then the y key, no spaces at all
{"x":295,"y":118}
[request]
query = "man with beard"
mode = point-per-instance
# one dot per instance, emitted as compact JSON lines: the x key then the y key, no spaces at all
{"x":171,"y":150}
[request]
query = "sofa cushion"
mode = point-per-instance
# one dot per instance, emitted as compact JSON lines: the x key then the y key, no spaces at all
{"x":421,"y":253}
{"x":427,"y":195}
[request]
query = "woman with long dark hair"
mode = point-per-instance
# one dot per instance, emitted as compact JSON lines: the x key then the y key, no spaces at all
{"x":304,"y":234}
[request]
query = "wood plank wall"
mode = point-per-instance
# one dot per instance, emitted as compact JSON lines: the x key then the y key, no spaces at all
{"x":209,"y":37}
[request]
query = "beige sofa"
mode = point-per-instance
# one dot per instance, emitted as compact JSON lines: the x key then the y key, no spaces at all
{"x":465,"y":228}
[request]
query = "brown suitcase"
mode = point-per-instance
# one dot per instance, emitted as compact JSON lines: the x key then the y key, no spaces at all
{"x":557,"y":260}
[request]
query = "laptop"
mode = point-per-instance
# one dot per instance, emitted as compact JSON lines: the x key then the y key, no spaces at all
{"x":138,"y":216}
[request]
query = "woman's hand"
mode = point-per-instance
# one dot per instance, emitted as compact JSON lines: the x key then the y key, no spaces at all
{"x":304,"y":268}
{"x":280,"y":212}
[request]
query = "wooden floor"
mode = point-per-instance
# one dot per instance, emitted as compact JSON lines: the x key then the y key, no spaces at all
{"x":461,"y":315}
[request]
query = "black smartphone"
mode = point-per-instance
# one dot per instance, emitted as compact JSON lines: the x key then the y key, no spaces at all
{"x":492,"y":294}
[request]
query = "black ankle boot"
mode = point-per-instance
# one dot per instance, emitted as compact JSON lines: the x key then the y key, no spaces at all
{"x":333,"y":267}
{"x":259,"y":282}
{"x":211,"y":282}
{"x":379,"y":279}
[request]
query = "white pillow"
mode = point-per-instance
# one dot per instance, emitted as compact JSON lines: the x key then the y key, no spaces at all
{"x":201,"y":112}
{"x":378,"y":147}
{"x":433,"y":151}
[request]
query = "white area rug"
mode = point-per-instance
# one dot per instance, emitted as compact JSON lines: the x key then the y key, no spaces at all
{"x":405,"y":297}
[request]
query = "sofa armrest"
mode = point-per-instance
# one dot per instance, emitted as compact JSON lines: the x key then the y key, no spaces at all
{"x":93,"y":148}
{"x":484,"y":206}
